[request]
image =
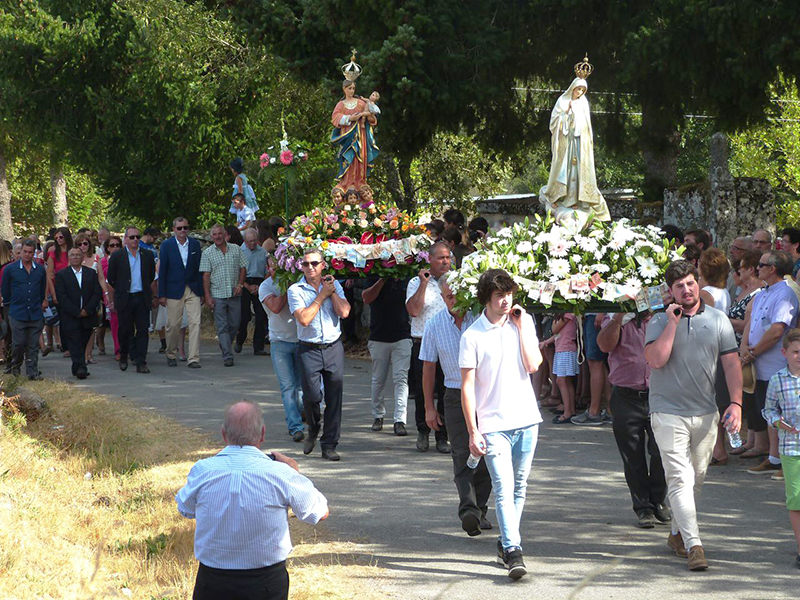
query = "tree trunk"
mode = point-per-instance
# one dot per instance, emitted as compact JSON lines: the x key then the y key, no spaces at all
{"x":58,"y":193}
{"x":392,"y":178}
{"x":409,"y":192}
{"x":6,"y":226}
{"x":660,"y":143}
{"x":399,"y":182}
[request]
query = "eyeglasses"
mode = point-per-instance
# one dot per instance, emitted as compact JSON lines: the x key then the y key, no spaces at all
{"x":762,"y":265}
{"x":134,"y":237}
{"x":182,"y":228}
{"x":59,"y":237}
{"x":84,"y":243}
{"x":311,"y":263}
{"x":737,"y":248}
{"x":115,"y":245}
{"x":760,"y":242}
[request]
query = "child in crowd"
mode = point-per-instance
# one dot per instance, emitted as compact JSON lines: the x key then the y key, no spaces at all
{"x":245,"y":217}
{"x":565,"y":363}
{"x":782,"y":411}
{"x":241,"y":186}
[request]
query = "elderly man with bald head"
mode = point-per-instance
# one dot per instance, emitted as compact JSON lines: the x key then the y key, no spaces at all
{"x":239,"y":499}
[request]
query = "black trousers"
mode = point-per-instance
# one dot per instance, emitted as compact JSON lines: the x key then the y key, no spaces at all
{"x":415,"y":386}
{"x":473,"y":485}
{"x":323,"y":365}
{"x":753,"y":408}
{"x":75,"y":338}
{"x":267,"y":583}
{"x":251,"y":308}
{"x":635,"y":441}
{"x":134,"y":322}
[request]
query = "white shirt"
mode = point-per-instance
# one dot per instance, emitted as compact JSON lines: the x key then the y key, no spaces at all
{"x":434,"y":303}
{"x":79,"y":277}
{"x":184,"y":250}
{"x":504,"y":396}
{"x":282,"y":326}
{"x":239,"y":499}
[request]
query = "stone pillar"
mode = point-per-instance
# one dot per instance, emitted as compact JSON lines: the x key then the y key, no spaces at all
{"x":723,"y":217}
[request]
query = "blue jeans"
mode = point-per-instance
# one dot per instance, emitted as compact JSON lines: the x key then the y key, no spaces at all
{"x":508,"y":457}
{"x":286,"y":362}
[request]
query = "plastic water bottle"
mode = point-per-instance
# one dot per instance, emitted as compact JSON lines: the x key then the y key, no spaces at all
{"x":733,"y":437}
{"x":472,"y":461}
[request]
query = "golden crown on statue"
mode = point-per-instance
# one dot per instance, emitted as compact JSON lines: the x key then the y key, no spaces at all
{"x":583,"y":69}
{"x":351,"y":70}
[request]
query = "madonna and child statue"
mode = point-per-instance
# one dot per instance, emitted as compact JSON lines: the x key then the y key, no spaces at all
{"x":571,"y":193}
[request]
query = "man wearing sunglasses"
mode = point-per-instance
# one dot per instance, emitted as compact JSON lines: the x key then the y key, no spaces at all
{"x":180,"y":287}
{"x":131,"y":275}
{"x":318,"y":303}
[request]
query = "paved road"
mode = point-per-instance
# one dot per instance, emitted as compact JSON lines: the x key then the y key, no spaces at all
{"x":400,"y":505}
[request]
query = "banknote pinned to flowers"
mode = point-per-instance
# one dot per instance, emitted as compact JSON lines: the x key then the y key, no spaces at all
{"x":356,"y":241}
{"x":600,"y":268}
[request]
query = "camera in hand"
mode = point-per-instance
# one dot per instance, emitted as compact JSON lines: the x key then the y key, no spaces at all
{"x":328,"y":278}
{"x":426,"y":275}
{"x":517,"y":312}
{"x":677,"y":312}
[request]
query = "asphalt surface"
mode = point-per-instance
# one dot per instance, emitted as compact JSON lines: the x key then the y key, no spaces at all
{"x":399,"y":505}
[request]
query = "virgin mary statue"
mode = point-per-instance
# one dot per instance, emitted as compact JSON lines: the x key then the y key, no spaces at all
{"x":571,"y":193}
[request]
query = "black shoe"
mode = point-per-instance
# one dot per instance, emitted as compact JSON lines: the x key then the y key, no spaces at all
{"x":298,"y":436}
{"x":377,"y":425}
{"x":37,"y":377}
{"x":81,"y":374}
{"x":172,"y":362}
{"x":663,"y":513}
{"x":123,"y":364}
{"x":194,"y":365}
{"x":647,"y":520}
{"x":422,"y":441}
{"x":237,"y":348}
{"x":228,"y":362}
{"x":400,"y":429}
{"x":443,"y":446}
{"x":515,"y":564}
{"x":261,"y":353}
{"x":142,"y":368}
{"x":162,"y":350}
{"x":471,"y":523}
{"x":485,"y":523}
{"x":330,"y":454}
{"x":308,"y":446}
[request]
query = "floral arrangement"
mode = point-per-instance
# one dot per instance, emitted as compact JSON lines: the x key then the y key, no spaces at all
{"x":377,"y":240}
{"x":604,"y":267}
{"x":285,"y":157}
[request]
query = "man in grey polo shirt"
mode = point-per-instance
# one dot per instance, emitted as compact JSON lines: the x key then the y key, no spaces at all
{"x":318,"y":303}
{"x":682,"y":347}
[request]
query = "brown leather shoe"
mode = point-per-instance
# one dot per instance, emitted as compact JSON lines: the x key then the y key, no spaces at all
{"x":675,"y":542}
{"x":697,"y":559}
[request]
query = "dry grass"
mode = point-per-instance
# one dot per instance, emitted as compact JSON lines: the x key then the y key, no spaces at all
{"x":87,"y":509}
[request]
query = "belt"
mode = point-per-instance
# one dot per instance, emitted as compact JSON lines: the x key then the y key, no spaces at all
{"x":253,"y":279}
{"x":641,"y":393}
{"x":135,"y":293}
{"x":319,"y":346}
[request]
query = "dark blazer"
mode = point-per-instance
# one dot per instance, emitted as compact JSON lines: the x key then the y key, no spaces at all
{"x":173,"y":277}
{"x":69,"y":297}
{"x":119,"y":276}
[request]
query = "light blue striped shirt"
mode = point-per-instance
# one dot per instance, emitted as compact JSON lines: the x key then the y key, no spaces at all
{"x":783,"y":402}
{"x":239,"y":499}
{"x":324,"y":327}
{"x":441,"y":340}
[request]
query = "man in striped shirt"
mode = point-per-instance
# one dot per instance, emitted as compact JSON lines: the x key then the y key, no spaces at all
{"x":239,"y":499}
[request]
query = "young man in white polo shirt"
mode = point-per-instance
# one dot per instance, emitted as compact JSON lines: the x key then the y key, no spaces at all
{"x":497,"y":355}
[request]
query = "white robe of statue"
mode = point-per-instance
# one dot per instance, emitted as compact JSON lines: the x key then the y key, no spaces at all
{"x":571,"y":192}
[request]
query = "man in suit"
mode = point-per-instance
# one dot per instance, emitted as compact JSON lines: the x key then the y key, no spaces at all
{"x":180,"y":286}
{"x":131,"y":275}
{"x":79,"y":295}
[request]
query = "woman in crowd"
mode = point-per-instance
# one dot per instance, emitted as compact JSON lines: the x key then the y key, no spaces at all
{"x":5,"y":258}
{"x":57,"y":259}
{"x":111,"y":245}
{"x":90,"y":261}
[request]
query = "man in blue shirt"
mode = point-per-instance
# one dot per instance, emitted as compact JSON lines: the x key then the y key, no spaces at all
{"x":318,"y":304}
{"x":23,"y":288}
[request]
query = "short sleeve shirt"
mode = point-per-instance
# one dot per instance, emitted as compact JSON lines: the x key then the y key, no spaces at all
{"x":324,"y":328}
{"x":504,"y":396}
{"x":224,"y":269}
{"x":567,"y":337}
{"x":776,"y":303}
{"x":434,"y":303}
{"x":282,"y":326}
{"x":388,"y":317}
{"x":685,"y":385}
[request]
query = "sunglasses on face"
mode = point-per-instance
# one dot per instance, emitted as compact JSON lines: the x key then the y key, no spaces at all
{"x":762,"y":265}
{"x":134,"y":237}
{"x":83,"y":243}
{"x":311,"y":263}
{"x":59,"y":237}
{"x":114,"y":246}
{"x":182,"y":227}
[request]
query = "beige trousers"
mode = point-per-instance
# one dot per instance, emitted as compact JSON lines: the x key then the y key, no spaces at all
{"x":686,"y":444}
{"x":193,"y":305}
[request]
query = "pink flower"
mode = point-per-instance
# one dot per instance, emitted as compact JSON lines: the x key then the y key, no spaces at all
{"x":331,"y":219}
{"x":287,"y":157}
{"x":264,"y":160}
